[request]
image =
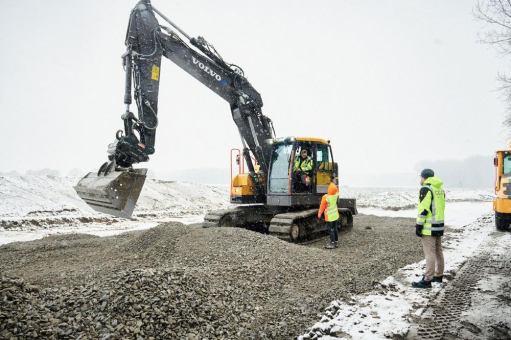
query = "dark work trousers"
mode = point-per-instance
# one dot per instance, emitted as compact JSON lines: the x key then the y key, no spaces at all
{"x":332,"y":229}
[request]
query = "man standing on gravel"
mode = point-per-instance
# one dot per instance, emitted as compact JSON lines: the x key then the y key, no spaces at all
{"x":430,"y":227}
{"x":329,"y":207}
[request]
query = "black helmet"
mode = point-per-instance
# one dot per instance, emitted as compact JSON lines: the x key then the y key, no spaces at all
{"x":427,"y":173}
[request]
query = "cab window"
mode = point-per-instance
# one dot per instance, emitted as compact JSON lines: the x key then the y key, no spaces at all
{"x":507,"y":164}
{"x":280,"y":168}
{"x":323,"y":161}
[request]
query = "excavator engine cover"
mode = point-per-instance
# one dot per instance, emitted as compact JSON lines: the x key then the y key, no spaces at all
{"x":115,"y":193}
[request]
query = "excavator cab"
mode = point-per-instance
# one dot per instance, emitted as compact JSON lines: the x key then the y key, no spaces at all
{"x":320,"y":169}
{"x":285,"y":185}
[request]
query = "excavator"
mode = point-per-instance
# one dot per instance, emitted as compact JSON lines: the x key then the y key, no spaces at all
{"x":272,"y":196}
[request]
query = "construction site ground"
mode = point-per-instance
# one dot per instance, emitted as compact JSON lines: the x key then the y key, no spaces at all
{"x":177,"y":281}
{"x":188,"y":282}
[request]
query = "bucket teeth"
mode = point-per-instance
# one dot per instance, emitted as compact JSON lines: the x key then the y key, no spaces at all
{"x":115,"y":193}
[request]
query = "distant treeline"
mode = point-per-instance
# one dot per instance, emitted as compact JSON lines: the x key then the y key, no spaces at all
{"x":472,"y":172}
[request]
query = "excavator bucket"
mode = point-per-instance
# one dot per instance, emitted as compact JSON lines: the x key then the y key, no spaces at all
{"x":115,"y":193}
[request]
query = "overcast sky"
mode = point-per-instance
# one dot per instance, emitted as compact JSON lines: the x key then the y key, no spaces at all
{"x":390,"y":83}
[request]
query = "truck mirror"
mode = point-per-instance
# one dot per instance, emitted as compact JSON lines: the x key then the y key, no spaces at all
{"x":237,"y":159}
{"x":496,"y":161}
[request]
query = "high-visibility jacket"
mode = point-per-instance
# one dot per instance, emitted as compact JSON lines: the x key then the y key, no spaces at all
{"x":431,"y":209}
{"x":304,"y":164}
{"x":329,"y":204}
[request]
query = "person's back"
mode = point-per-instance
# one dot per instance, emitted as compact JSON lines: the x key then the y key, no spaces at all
{"x":432,"y":206}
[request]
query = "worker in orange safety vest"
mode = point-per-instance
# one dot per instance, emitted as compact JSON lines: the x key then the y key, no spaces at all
{"x":329,"y":207}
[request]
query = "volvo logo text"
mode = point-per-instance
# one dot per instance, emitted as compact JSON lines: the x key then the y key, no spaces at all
{"x":207,"y":69}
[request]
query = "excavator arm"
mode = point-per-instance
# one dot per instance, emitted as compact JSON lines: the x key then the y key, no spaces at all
{"x":146,"y":42}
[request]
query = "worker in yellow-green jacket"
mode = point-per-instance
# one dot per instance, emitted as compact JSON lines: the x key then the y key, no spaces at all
{"x":328,"y":206}
{"x":302,"y":171}
{"x":430,"y":227}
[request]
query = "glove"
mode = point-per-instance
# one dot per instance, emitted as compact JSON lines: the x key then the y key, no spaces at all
{"x":418,"y":229}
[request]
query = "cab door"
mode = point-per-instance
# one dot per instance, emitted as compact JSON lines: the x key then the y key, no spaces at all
{"x":324,"y":167}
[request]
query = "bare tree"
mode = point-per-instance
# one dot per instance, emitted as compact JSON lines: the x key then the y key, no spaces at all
{"x":496,"y":14}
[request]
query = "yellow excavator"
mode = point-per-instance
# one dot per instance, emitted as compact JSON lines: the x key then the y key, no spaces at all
{"x":273,"y":196}
{"x":502,"y":201}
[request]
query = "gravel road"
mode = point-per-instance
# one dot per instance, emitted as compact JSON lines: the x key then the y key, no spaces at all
{"x":188,"y":282}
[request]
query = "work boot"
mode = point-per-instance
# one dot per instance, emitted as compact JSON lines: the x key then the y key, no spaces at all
{"x":330,"y":246}
{"x":422,"y":284}
{"x":437,"y":279}
{"x":336,"y":245}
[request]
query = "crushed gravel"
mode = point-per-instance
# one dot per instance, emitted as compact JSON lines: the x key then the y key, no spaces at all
{"x":187,"y":282}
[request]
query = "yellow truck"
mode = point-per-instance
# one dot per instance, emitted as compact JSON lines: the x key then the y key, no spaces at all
{"x":502,"y":201}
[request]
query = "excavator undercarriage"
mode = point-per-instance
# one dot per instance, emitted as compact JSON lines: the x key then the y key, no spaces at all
{"x":290,"y":224}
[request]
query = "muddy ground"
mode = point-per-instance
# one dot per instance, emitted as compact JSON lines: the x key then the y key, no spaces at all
{"x":177,"y":281}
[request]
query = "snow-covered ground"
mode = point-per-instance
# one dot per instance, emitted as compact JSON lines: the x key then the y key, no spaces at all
{"x":32,"y":207}
{"x":388,"y":310}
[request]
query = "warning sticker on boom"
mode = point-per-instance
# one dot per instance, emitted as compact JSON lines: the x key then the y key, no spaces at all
{"x":155,"y":75}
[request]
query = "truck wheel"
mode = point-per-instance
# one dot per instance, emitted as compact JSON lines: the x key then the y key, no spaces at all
{"x":501,"y":222}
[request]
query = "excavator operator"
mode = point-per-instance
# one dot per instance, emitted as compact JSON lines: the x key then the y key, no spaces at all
{"x":302,"y":171}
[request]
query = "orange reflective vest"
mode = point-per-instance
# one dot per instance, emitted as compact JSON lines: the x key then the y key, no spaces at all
{"x":329,"y":204}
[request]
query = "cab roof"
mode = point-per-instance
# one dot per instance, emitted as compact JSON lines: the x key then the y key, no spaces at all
{"x":311,"y":139}
{"x":300,"y":139}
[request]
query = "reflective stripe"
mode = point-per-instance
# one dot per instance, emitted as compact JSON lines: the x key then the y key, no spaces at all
{"x":433,"y":228}
{"x":434,"y":222}
{"x":420,"y":223}
{"x":422,"y":216}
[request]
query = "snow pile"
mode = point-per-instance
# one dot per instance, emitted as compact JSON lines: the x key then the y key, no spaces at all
{"x":406,"y":198}
{"x":28,"y":202}
{"x":173,"y":199}
{"x":386,"y":312}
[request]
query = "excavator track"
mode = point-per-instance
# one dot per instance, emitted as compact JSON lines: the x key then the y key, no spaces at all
{"x":288,"y":225}
{"x":304,"y":225}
